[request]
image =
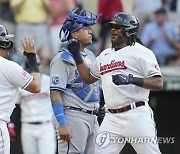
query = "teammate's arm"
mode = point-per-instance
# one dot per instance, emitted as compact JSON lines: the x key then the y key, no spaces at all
{"x":83,"y":69}
{"x":30,"y":53}
{"x":58,"y":109}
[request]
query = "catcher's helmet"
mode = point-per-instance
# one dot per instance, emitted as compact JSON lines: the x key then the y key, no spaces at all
{"x":129,"y":24}
{"x":77,"y":18}
{"x":5,"y":42}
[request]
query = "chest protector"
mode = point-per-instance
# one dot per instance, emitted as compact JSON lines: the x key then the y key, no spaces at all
{"x":89,"y":93}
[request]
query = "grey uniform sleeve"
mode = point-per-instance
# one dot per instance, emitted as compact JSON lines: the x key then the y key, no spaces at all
{"x":58,"y":74}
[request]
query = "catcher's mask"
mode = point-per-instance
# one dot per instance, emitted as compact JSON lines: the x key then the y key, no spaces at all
{"x":129,"y":25}
{"x":77,"y":18}
{"x":5,"y":42}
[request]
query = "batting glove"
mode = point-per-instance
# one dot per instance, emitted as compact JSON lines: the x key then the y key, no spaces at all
{"x":121,"y":79}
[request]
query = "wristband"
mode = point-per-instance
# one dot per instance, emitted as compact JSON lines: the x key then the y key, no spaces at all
{"x":32,"y":61}
{"x":59,"y":114}
{"x":138,"y":81}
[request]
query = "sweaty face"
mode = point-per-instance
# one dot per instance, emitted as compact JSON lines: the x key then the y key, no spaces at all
{"x":84,"y":35}
{"x":117,"y":37}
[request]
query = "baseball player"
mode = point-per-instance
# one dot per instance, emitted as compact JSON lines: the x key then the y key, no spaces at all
{"x":37,"y":132}
{"x":13,"y":77}
{"x":74,"y":102}
{"x":128,"y":71}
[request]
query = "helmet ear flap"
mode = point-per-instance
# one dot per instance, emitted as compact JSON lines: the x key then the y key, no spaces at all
{"x":125,"y":32}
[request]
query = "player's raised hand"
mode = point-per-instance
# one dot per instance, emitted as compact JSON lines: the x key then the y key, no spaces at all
{"x":64,"y":133}
{"x":122,"y":79}
{"x":74,"y":48}
{"x":30,"y":52}
{"x":28,"y":45}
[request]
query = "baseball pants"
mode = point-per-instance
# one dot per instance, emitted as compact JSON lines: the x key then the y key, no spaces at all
{"x":83,"y":129}
{"x":130,"y":126}
{"x":4,"y":138}
{"x":38,"y":138}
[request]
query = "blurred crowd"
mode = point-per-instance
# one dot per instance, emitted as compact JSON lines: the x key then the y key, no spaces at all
{"x":42,"y":20}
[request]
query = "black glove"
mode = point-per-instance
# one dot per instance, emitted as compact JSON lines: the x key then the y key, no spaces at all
{"x":74,"y":48}
{"x":100,"y":114}
{"x":121,"y":79}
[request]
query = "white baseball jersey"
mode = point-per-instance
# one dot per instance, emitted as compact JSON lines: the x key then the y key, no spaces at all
{"x":36,"y":107}
{"x":136,"y":60}
{"x":12,"y":76}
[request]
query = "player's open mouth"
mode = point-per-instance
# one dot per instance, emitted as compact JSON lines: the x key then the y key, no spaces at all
{"x":113,"y":36}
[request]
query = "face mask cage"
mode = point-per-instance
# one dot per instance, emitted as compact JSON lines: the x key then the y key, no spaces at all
{"x":6,"y":43}
{"x":83,"y":16}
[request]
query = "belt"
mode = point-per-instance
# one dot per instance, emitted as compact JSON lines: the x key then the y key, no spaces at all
{"x":127,"y":108}
{"x":38,"y":122}
{"x":92,"y":112}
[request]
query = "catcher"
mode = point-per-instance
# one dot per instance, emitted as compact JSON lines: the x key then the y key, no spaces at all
{"x":74,"y":103}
